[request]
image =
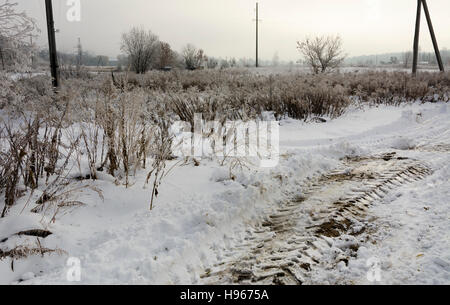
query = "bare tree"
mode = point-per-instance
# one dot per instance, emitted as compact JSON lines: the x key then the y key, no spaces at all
{"x":193,"y":58}
{"x":212,"y":63}
{"x":407,"y":56}
{"x":224,"y":64}
{"x":167,"y":56}
{"x":141,"y":48}
{"x":15,"y":27}
{"x":322,"y":53}
{"x":233,"y":62}
{"x":275,"y":60}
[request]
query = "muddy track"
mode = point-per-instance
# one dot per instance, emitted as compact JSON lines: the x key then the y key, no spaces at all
{"x":292,"y":241}
{"x":442,"y":148}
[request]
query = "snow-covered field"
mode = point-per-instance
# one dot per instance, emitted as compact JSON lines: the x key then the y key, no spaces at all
{"x":296,"y":69}
{"x":202,"y":215}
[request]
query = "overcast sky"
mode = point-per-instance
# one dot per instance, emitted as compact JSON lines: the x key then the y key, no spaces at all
{"x":225,"y":28}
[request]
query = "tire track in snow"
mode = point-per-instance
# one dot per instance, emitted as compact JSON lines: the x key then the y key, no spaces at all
{"x":298,"y":238}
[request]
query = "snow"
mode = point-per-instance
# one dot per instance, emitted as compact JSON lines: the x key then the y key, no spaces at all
{"x":413,"y":246}
{"x":201,"y":213}
{"x":17,"y":76}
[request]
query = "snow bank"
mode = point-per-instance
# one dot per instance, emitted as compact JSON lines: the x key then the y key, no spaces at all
{"x":202,"y":211}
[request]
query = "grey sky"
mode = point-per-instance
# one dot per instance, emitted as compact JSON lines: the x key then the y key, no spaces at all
{"x":225,"y":28}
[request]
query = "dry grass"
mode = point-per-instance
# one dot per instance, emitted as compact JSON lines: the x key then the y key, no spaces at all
{"x":24,"y":251}
{"x":121,"y":122}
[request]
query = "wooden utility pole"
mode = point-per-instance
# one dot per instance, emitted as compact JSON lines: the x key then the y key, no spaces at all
{"x":80,"y":54}
{"x":416,"y":37}
{"x":52,"y":43}
{"x":31,"y":50}
{"x":257,"y":22}
{"x":417,"y":34}
{"x":433,"y":36}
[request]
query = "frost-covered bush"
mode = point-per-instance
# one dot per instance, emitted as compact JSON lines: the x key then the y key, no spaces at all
{"x":30,"y":137}
{"x":43,"y":133}
{"x":398,"y":87}
{"x":120,"y":123}
{"x":244,"y":94}
{"x":15,"y":30}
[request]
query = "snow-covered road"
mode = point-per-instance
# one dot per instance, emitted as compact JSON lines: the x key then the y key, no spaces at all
{"x":203,"y":217}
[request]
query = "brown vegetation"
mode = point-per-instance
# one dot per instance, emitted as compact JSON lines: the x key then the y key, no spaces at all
{"x":118,"y":123}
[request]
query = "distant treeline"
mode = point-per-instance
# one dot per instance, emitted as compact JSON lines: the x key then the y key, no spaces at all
{"x":87,"y":58}
{"x":90,"y":59}
{"x":403,"y":58}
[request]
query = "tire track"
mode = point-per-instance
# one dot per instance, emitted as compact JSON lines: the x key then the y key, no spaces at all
{"x":292,"y":242}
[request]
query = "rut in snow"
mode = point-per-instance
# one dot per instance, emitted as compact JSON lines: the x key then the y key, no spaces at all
{"x":291,"y":243}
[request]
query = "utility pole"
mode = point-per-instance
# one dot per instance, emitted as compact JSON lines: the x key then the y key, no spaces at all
{"x":80,"y":54}
{"x":417,"y":34}
{"x":257,"y":22}
{"x":52,"y":43}
{"x":433,"y":36}
{"x":31,"y":50}
{"x":416,"y":37}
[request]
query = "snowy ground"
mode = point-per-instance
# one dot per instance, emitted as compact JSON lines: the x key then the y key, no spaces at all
{"x":201,"y":214}
{"x":296,"y":69}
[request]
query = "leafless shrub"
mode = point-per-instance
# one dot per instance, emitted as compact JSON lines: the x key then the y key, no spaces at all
{"x":141,"y":46}
{"x":166,"y":56}
{"x":21,"y":252}
{"x":193,"y":58}
{"x":24,"y":251}
{"x":121,"y":124}
{"x":59,"y":200}
{"x":15,"y":28}
{"x":68,"y":71}
{"x":322,"y":53}
{"x":161,"y":148}
{"x":32,"y":142}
